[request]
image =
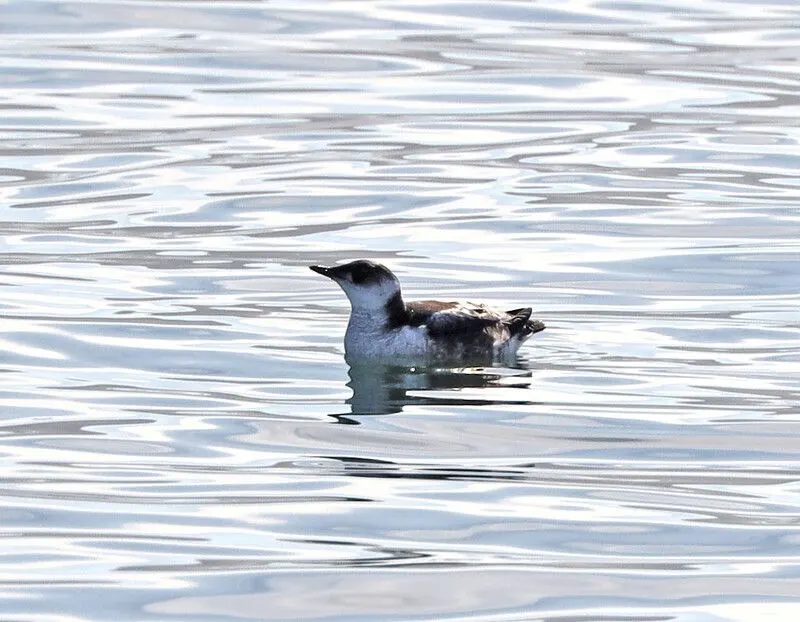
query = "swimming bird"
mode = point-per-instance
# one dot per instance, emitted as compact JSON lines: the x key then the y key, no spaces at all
{"x":383,"y":327}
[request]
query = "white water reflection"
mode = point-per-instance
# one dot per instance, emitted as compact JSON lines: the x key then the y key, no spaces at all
{"x":180,"y":435}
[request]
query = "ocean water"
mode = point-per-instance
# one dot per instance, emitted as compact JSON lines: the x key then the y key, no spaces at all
{"x":180,"y":437}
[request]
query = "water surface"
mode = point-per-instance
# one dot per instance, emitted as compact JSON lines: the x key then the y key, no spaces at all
{"x":180,"y":436}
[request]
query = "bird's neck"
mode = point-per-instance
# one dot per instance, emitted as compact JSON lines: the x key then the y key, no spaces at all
{"x":395,"y":311}
{"x":379,"y":318}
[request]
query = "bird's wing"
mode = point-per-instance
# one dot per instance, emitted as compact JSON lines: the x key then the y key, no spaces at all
{"x":450,"y":318}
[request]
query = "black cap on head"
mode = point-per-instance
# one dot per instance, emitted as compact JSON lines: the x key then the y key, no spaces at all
{"x":360,"y":272}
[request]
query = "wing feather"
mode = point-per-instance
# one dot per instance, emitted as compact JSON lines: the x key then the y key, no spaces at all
{"x":454,"y":318}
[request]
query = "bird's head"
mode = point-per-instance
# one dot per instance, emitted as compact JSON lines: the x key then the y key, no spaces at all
{"x":368,"y":285}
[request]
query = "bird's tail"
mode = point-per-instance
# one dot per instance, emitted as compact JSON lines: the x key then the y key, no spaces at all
{"x":521,"y":324}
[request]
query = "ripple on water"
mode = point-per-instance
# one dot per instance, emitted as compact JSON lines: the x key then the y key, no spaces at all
{"x":180,"y":436}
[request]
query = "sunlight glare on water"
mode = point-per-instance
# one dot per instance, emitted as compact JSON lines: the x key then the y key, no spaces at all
{"x":181,"y":438}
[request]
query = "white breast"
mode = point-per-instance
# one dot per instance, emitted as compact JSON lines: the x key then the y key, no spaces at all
{"x":367,"y":339}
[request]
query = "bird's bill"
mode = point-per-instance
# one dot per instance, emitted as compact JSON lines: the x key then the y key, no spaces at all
{"x":337,"y":273}
{"x":321,"y":270}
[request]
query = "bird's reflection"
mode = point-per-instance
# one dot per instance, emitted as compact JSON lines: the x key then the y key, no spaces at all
{"x":387,"y":389}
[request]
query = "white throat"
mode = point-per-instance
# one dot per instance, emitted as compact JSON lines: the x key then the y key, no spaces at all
{"x":372,"y":298}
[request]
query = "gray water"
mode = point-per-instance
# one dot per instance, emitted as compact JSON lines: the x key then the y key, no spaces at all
{"x":181,"y":438}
